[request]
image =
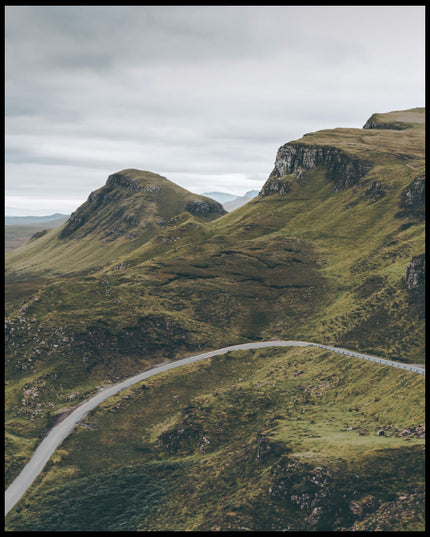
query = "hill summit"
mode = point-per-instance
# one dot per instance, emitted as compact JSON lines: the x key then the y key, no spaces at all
{"x":132,"y":208}
{"x":133,"y":200}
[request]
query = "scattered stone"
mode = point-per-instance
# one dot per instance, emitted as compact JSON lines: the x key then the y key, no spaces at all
{"x":355,"y":508}
{"x":375,"y":191}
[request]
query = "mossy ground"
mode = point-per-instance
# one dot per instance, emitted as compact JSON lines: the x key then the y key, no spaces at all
{"x":315,"y":264}
{"x":208,"y":446}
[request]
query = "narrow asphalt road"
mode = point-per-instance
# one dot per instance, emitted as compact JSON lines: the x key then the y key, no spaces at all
{"x":58,"y":433}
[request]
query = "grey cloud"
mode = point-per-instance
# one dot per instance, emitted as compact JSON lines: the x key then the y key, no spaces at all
{"x":209,"y":90}
{"x":72,"y":60}
{"x":131,"y":34}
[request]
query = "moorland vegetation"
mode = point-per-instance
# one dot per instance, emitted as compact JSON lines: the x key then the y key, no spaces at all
{"x":332,"y":251}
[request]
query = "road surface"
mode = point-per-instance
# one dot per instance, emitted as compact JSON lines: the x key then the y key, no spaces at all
{"x":60,"y":431}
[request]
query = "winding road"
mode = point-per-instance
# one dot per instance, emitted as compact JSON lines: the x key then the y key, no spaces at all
{"x":60,"y":431}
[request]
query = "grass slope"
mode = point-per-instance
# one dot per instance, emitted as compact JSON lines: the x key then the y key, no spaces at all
{"x":260,"y":440}
{"x":129,"y":210}
{"x":315,"y":263}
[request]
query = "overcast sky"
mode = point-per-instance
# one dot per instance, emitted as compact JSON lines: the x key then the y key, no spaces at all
{"x":202,"y":95}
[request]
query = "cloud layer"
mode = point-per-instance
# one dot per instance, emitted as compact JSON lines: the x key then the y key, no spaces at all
{"x":202,"y":95}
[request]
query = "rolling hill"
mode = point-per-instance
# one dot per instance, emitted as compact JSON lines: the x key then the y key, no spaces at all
{"x":331,"y":250}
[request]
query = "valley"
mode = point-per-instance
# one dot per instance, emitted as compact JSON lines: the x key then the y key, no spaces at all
{"x":58,"y":433}
{"x":332,"y":250}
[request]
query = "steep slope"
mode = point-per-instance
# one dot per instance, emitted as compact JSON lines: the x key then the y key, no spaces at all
{"x":332,"y":250}
{"x":248,"y":441}
{"x":128,"y":211}
{"x":131,"y":209}
{"x":357,"y":196}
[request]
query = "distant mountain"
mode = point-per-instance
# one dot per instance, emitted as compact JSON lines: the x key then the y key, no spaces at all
{"x":220,"y":196}
{"x":26,"y":220}
{"x":238,"y":202}
{"x":19,"y":229}
{"x":251,"y":194}
{"x":230,"y":201}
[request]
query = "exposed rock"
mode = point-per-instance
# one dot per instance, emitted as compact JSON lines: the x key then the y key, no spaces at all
{"x":415,"y":277}
{"x":75,"y":221}
{"x":275,"y":185}
{"x":183,"y":438}
{"x":263,"y":447}
{"x":356,"y":508}
{"x":120,"y":180}
{"x":375,"y":191}
{"x":38,"y":234}
{"x":414,"y":194}
{"x":205,"y":208}
{"x":315,"y":516}
{"x":295,"y":158}
{"x":313,"y":490}
{"x":414,"y":431}
{"x":377,"y":515}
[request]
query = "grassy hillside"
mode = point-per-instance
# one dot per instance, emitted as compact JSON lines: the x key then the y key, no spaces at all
{"x":332,"y":251}
{"x":256,"y":440}
{"x":125,"y":213}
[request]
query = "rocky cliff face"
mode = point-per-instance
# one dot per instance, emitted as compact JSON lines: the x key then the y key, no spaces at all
{"x":414,"y":194}
{"x":415,"y":275}
{"x":122,"y":181}
{"x":275,"y":185}
{"x":295,"y":158}
{"x":205,"y":208}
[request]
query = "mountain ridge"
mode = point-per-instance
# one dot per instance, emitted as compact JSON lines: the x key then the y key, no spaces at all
{"x":25,"y":220}
{"x":322,"y":252}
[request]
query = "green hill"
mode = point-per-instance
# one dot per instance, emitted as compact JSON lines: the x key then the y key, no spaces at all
{"x":332,"y":251}
{"x":125,"y":213}
{"x":131,"y":209}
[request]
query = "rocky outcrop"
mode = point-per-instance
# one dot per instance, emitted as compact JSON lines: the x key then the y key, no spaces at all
{"x":375,"y":514}
{"x":343,"y":169}
{"x":38,"y":234}
{"x":375,"y":123}
{"x":375,"y":191}
{"x":312,"y":490}
{"x":76,"y":220}
{"x":275,"y":185}
{"x":183,"y":439}
{"x":413,"y":196}
{"x":205,"y":208}
{"x":120,"y":180}
{"x":370,"y":124}
{"x":415,"y":275}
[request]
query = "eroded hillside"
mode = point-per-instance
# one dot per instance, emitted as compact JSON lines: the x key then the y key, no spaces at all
{"x":332,"y":250}
{"x":252,"y":440}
